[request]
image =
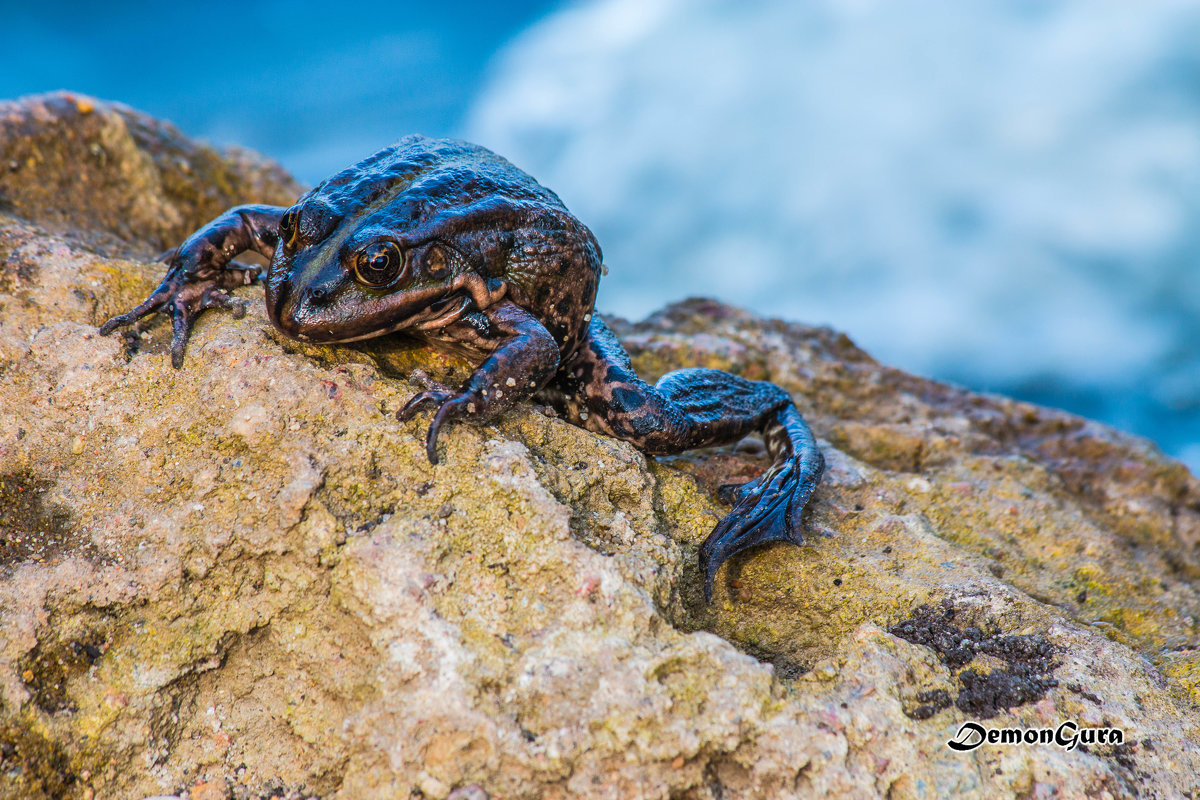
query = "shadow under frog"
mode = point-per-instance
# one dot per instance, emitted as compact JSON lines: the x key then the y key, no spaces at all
{"x":455,"y":246}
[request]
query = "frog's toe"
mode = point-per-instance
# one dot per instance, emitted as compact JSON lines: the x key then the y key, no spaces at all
{"x":449,"y":406}
{"x":434,"y":396}
{"x":455,"y":407}
{"x":188,"y":301}
{"x":731,"y":493}
{"x":119,"y":321}
{"x":215,"y":298}
{"x":181,"y":328}
{"x":766,"y":510}
{"x":148,"y":306}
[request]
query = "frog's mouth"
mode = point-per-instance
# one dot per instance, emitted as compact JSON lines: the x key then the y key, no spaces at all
{"x":441,"y":313}
{"x":437,"y":314}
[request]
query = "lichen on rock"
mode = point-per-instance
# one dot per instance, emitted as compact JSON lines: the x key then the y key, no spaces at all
{"x":243,"y":579}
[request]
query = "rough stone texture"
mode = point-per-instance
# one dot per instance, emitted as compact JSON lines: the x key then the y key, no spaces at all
{"x":75,"y":164}
{"x":242,"y":578}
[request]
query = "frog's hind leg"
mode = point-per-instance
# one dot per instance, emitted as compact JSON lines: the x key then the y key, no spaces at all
{"x":690,"y":408}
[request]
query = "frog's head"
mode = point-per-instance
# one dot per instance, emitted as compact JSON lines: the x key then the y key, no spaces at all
{"x":337,"y":279}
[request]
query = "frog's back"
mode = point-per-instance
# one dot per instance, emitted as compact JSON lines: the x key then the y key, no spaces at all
{"x":423,"y":176}
{"x":503,"y":222}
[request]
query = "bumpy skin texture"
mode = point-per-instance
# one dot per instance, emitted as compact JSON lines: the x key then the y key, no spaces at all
{"x":447,"y":242}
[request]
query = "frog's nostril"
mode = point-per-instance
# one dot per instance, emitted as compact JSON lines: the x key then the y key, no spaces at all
{"x":317,"y":292}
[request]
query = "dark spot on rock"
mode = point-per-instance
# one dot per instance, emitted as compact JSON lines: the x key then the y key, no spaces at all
{"x":1025,"y":678}
{"x":984,"y":695}
{"x":786,"y":666}
{"x":837,"y":581}
{"x":1081,"y":597}
{"x":788,"y":669}
{"x":371,"y":525}
{"x":31,"y":529}
{"x":16,"y":268}
{"x":931,"y":702}
{"x":1079,"y":690}
{"x":423,"y":489}
{"x":31,"y":765}
{"x":89,"y":651}
{"x":50,"y":667}
{"x":1122,"y":753}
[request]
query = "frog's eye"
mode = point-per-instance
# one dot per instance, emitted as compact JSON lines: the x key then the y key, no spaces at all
{"x":378,"y":264}
{"x":287,"y":227}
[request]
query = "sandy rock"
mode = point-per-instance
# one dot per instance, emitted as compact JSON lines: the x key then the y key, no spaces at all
{"x":243,"y":577}
{"x":77,"y":164}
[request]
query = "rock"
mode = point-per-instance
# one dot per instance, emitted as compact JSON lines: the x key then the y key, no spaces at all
{"x":209,"y":790}
{"x":244,"y":575}
{"x":77,"y":165}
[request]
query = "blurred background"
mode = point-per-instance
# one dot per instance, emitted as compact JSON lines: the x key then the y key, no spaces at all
{"x":1001,"y":193}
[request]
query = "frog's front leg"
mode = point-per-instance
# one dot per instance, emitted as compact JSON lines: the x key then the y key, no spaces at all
{"x":689,"y":408}
{"x":522,"y":357}
{"x":202,"y":269}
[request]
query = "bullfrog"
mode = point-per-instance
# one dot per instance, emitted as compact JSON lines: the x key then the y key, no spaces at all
{"x":449,"y":243}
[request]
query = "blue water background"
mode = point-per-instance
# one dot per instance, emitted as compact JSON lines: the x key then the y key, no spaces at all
{"x":1001,"y":193}
{"x":315,"y":85}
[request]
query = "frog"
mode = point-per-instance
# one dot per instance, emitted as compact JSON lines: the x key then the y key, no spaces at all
{"x":446,"y":242}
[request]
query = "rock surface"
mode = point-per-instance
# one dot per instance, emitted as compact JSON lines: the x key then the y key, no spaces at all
{"x":242,"y":578}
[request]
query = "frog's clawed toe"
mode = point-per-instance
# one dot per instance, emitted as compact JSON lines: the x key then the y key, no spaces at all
{"x":185,"y":305}
{"x":449,"y":406}
{"x":182,"y":301}
{"x":767,"y":509}
{"x":434,"y":396}
{"x":148,"y":306}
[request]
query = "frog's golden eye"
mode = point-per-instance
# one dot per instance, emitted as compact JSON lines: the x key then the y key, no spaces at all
{"x":287,"y":227}
{"x":378,"y":264}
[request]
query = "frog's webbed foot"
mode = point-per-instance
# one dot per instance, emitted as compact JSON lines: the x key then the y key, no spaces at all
{"x":767,"y":509}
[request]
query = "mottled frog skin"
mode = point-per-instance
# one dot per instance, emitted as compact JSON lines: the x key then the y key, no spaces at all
{"x":449,"y":243}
